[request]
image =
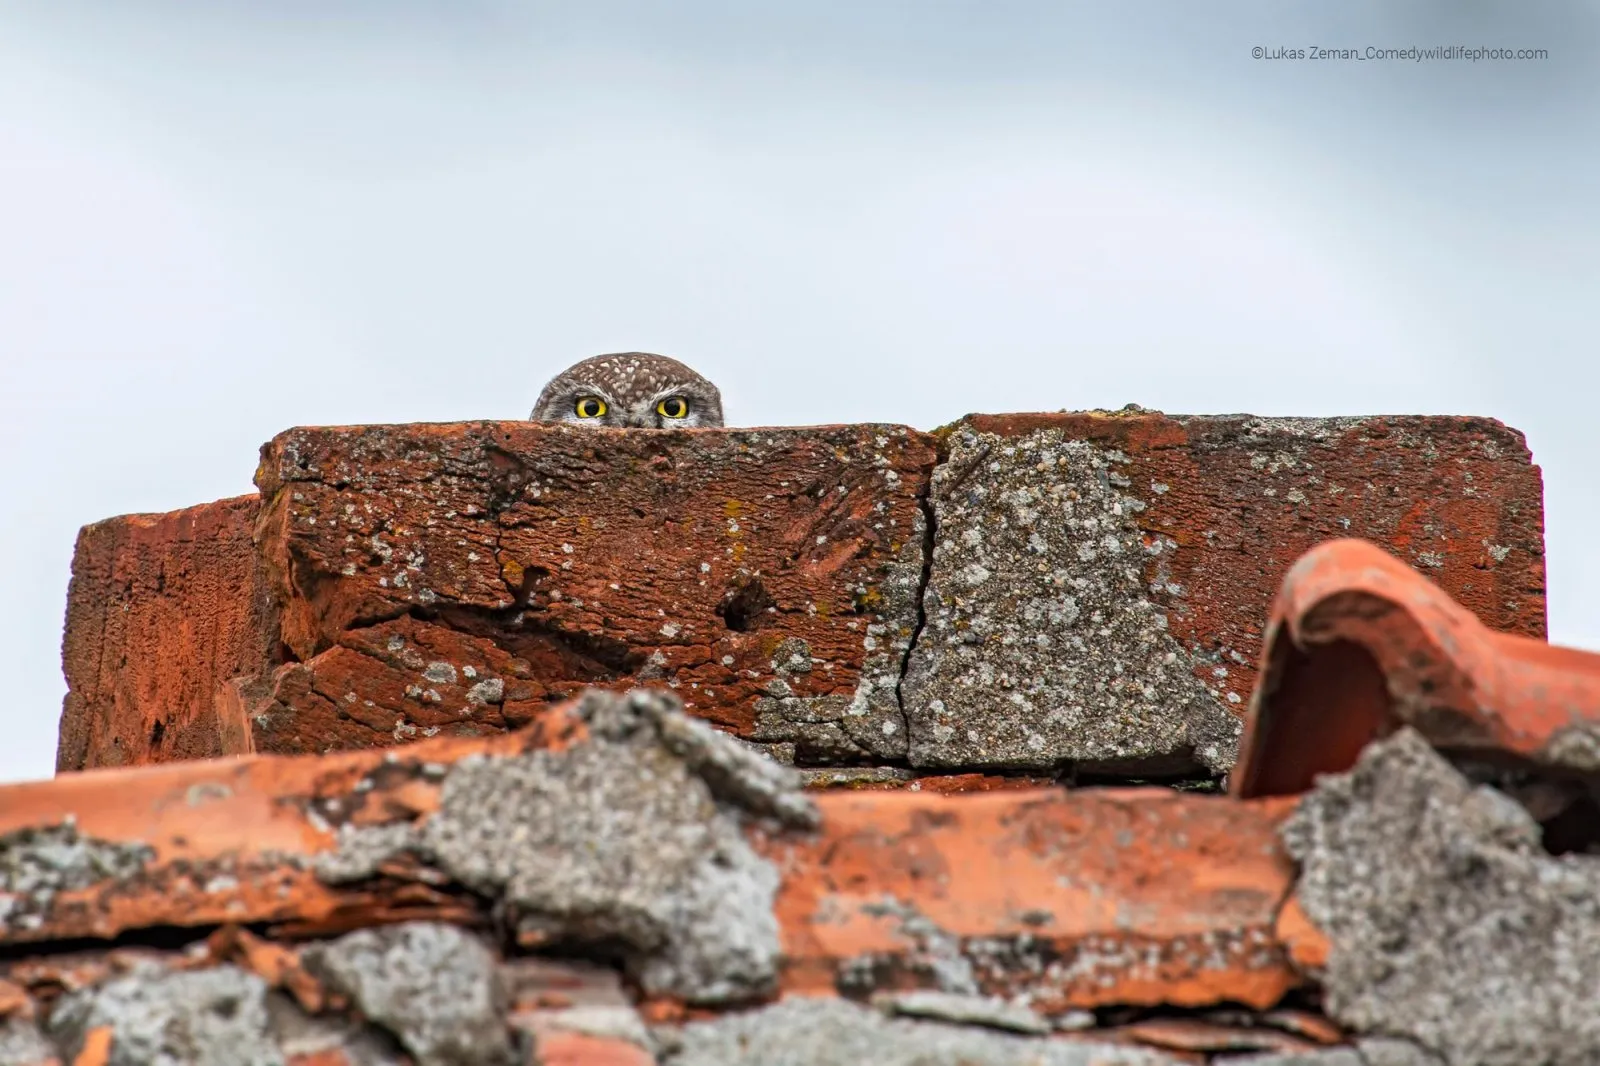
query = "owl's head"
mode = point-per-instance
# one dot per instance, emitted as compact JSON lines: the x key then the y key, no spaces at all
{"x":630,"y":390}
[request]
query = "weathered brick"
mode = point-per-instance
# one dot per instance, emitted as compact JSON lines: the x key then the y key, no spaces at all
{"x":1108,"y":896}
{"x":458,"y":579}
{"x":162,"y":610}
{"x":769,"y":576}
{"x":1100,"y":581}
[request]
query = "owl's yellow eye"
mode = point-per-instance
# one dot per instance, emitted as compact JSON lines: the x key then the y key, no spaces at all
{"x":590,"y":407}
{"x":672,"y":407}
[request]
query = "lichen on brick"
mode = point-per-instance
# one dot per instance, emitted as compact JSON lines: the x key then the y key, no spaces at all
{"x":869,"y":723}
{"x":633,"y":836}
{"x":1042,"y":646}
{"x":1448,"y":924}
{"x":38,"y":863}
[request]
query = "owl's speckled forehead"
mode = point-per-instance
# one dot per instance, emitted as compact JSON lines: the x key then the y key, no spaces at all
{"x":626,"y":377}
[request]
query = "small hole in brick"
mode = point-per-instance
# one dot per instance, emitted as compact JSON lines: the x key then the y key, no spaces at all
{"x":157,"y":731}
{"x":744,"y":606}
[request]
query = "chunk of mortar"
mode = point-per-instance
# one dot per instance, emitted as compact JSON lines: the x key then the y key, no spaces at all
{"x":434,"y":986}
{"x":165,"y":1018}
{"x":1448,"y":924}
{"x":825,"y":1032}
{"x":21,"y":1042}
{"x":1368,"y":1051}
{"x":1042,"y":646}
{"x":633,"y":837}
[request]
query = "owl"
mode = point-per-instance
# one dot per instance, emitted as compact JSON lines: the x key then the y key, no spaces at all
{"x":630,"y":390}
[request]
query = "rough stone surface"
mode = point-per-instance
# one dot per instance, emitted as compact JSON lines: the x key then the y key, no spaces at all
{"x":1340,"y":1056}
{"x":1384,"y":1051}
{"x":1042,"y":644}
{"x":160,"y":1018}
{"x":816,"y":1032}
{"x":162,"y":611}
{"x":614,"y":1023}
{"x":769,"y":576}
{"x":433,"y":986}
{"x":36,"y":864}
{"x":1448,"y":924}
{"x":1376,"y":1051}
{"x":620,"y":839}
{"x":1099,"y":581}
{"x":330,"y":1039}
{"x":22,"y":1044}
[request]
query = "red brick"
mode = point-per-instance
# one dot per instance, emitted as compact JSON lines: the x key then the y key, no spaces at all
{"x":549,"y":559}
{"x":1135,"y":896}
{"x":162,"y":611}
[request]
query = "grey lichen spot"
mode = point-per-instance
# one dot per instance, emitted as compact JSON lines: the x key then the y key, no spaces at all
{"x":937,"y":955}
{"x":654,"y":668}
{"x":791,"y":656}
{"x":1449,"y":924}
{"x":440,"y":673}
{"x":1042,"y":645}
{"x":435,"y":987}
{"x":165,"y":1018}
{"x":826,"y":1032}
{"x":37,"y":863}
{"x":633,"y":837}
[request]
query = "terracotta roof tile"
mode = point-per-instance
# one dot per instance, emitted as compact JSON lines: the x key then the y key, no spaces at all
{"x":1360,"y":643}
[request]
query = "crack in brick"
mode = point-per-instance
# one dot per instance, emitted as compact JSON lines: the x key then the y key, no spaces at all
{"x":929,"y":531}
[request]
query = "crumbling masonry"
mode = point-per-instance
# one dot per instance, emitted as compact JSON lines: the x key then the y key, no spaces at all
{"x":1098,"y":738}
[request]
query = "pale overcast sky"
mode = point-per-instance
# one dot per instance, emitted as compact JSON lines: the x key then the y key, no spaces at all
{"x":220,"y":220}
